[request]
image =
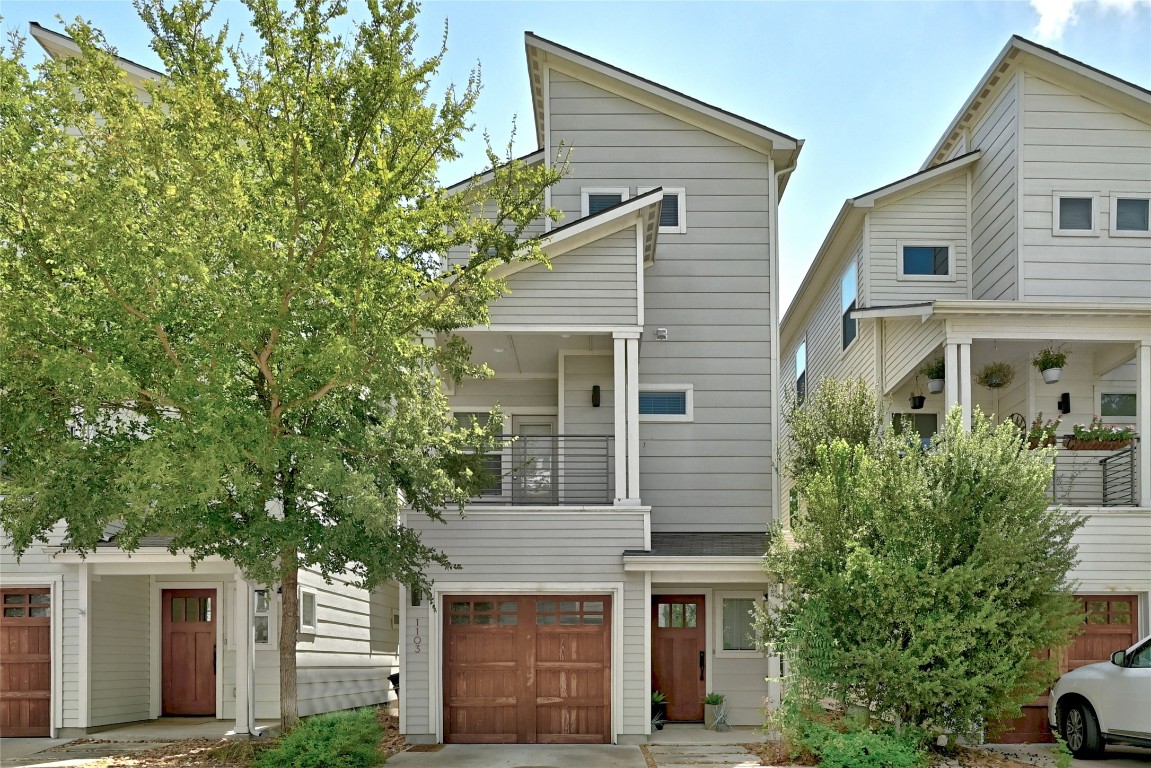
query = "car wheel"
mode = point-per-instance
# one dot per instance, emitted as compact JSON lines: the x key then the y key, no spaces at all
{"x":1080,"y":729}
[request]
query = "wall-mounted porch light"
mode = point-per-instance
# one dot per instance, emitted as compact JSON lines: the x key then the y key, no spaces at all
{"x":595,"y":396}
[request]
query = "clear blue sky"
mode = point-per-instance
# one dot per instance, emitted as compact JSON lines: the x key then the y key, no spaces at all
{"x":869,"y":86}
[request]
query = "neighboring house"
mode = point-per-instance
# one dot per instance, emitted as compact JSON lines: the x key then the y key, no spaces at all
{"x":619,"y":546}
{"x":118,"y":637}
{"x":1026,"y":228}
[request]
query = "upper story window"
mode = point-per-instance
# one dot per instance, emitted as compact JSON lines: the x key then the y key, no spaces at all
{"x":673,"y":213}
{"x":801,"y":372}
{"x":1073,"y":214}
{"x":848,"y":295}
{"x":925,"y":261}
{"x":596,"y":199}
{"x":307,"y":611}
{"x":666,"y":402}
{"x":1130,"y":215}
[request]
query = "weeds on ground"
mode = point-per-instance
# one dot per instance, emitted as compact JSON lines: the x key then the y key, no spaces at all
{"x":347,"y":739}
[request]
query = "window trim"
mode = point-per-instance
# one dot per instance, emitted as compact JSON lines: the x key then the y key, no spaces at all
{"x":689,"y":402}
{"x":681,"y":197}
{"x":845,"y":312}
{"x":1059,"y":195}
{"x":305,"y":627}
{"x":719,"y":597}
{"x":623,"y":192}
{"x":948,"y":244}
{"x":1113,"y":214}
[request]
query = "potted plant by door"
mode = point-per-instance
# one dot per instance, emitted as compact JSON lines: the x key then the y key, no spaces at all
{"x":1042,"y":433}
{"x":658,"y":710}
{"x":1050,"y":361}
{"x":712,"y":710}
{"x":935,"y":371}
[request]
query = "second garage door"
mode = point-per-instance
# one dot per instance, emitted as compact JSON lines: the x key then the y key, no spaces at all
{"x":527,"y":669}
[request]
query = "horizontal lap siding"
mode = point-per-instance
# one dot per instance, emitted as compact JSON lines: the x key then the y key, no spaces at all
{"x":346,"y":661}
{"x":1076,"y":145}
{"x":936,"y":214}
{"x":482,"y":394}
{"x":907,"y":344}
{"x":994,"y":261}
{"x":709,"y":286}
{"x":120,"y":649}
{"x":1114,"y":551}
{"x":594,"y":284}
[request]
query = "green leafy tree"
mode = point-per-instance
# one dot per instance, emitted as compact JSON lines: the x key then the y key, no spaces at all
{"x":922,"y":584}
{"x":217,"y":290}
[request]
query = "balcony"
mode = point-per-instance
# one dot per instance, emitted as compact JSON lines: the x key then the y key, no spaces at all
{"x":549,"y":470}
{"x":1096,"y":478}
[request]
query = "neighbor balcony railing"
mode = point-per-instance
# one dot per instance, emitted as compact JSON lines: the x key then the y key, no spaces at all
{"x":549,"y":470}
{"x":1096,"y":478}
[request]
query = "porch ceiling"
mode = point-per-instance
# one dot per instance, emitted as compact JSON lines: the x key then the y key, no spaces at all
{"x":529,"y":353}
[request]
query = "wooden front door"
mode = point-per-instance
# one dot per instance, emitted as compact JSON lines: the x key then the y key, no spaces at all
{"x":189,"y":653}
{"x":25,"y":661}
{"x":678,"y":666}
{"x":527,"y":669}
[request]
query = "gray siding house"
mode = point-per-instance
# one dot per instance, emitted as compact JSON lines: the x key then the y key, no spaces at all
{"x":619,"y":549}
{"x":1026,"y":228}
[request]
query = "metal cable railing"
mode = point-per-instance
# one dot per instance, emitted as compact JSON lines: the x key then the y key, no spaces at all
{"x":549,"y":470}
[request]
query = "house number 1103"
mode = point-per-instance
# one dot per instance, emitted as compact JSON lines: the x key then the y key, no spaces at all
{"x":416,"y":639}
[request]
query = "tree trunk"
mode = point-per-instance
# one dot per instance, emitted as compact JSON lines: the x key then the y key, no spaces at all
{"x":289,"y":623}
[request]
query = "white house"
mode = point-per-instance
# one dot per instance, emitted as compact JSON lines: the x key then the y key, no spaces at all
{"x":619,"y":551}
{"x":1025,"y":229}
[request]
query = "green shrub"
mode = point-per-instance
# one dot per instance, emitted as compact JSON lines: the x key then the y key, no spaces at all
{"x":348,"y":739}
{"x":862,"y":748}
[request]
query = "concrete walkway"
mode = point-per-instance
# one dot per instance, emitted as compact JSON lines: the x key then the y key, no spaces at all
{"x":523,"y":756}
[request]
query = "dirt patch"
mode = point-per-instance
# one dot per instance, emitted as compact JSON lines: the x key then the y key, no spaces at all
{"x":647,"y":757}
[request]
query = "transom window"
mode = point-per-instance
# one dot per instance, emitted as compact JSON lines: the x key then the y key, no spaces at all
{"x":30,"y":604}
{"x":847,"y":297}
{"x":1073,"y":214}
{"x":191,"y":609}
{"x":671,"y":402}
{"x":569,"y":612}
{"x":485,"y":612}
{"x":595,"y":200}
{"x":677,"y":615}
{"x":1130,"y":215}
{"x":925,"y":260}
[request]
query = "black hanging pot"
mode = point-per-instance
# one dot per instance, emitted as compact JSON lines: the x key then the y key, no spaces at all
{"x":917,"y":402}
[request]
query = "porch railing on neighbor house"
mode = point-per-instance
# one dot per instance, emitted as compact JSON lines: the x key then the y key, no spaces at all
{"x":549,"y":470}
{"x":1096,"y":478}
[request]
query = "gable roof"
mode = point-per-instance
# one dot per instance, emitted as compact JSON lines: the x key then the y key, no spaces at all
{"x":542,"y":53}
{"x":1019,"y":51}
{"x":58,"y":45}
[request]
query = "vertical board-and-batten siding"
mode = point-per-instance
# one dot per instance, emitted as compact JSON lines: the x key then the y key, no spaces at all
{"x":595,"y":284}
{"x":120,"y":649}
{"x":709,"y":286}
{"x":994,"y":241}
{"x":937,"y":214}
{"x":1076,"y":145}
{"x":346,"y":661}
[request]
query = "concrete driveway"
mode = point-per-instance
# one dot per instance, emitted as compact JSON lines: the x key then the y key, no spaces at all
{"x":1040,"y":755}
{"x":523,"y":756}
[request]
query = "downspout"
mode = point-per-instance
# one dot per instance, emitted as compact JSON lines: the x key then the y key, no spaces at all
{"x":773,"y":246}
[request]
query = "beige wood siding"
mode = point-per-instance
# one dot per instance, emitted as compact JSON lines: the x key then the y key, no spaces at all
{"x":1076,"y":145}
{"x":1114,"y":551}
{"x":120,"y":649}
{"x":907,"y":343}
{"x":592,"y":285}
{"x":994,"y":261}
{"x":581,"y":373}
{"x":482,"y":394}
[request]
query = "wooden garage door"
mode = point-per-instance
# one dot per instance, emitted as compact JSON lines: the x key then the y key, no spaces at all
{"x":527,"y":669}
{"x":25,"y":662}
{"x":1110,"y":623}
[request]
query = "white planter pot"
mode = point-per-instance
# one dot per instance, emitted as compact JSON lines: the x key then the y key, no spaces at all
{"x":1052,"y":375}
{"x":935,"y":386}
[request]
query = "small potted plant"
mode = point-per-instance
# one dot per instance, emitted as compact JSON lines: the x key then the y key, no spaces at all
{"x":1098,"y":436}
{"x":1042,"y":433}
{"x":1050,"y":361}
{"x":658,"y":710}
{"x":996,"y":375}
{"x":935,"y":372}
{"x":917,"y":399}
{"x":712,"y":710}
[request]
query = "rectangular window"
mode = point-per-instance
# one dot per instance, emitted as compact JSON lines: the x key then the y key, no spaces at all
{"x":928,"y":261}
{"x":847,"y":296}
{"x":801,"y":372}
{"x":1073,"y":214}
{"x":491,"y":465}
{"x":1130,"y":216}
{"x":926,"y":424}
{"x":673,"y":212}
{"x":1117,"y":405}
{"x":735,"y":624}
{"x":307,"y":611}
{"x":666,"y":402}
{"x":595,"y":200}
{"x":261,"y":616}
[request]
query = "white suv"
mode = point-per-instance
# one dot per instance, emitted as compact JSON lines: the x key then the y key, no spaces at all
{"x":1105,"y":703}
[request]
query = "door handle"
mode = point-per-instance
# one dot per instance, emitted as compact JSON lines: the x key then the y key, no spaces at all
{"x":213,"y":658}
{"x":701,"y":666}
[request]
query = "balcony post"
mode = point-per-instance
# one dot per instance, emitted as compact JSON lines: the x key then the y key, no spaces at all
{"x":965,"y":384}
{"x":619,"y":363}
{"x":633,"y":420}
{"x":953,"y":374}
{"x":1143,"y":423}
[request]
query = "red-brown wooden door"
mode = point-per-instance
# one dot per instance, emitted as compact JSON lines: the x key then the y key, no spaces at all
{"x":189,"y":653}
{"x":25,"y":661}
{"x":679,"y":642}
{"x":527,"y":669}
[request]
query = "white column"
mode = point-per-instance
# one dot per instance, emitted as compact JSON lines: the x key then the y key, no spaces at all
{"x":620,"y":404}
{"x":965,"y":384}
{"x":84,"y":683}
{"x":633,"y":420}
{"x":951,"y":386}
{"x":1143,"y":419}
{"x":242,"y":647}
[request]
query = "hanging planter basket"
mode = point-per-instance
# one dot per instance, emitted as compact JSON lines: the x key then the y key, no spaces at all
{"x":1049,"y":361}
{"x":996,"y":375}
{"x":935,"y":386}
{"x":917,"y":402}
{"x":1052,"y":375}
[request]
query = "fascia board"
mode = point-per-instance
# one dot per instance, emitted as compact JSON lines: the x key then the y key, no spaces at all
{"x":917,"y":181}
{"x":58,"y":45}
{"x":922,"y":311}
{"x":658,"y":563}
